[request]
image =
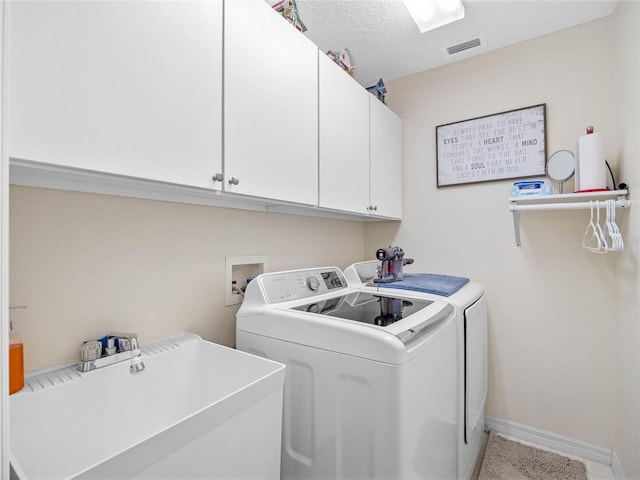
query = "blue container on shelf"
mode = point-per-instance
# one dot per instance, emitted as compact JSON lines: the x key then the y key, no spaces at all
{"x":533,"y":187}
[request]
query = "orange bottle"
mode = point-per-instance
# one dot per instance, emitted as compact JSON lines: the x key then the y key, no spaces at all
{"x":16,"y":363}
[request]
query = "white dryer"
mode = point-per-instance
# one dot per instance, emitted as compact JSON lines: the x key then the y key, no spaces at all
{"x":470,"y":306}
{"x":370,"y":389}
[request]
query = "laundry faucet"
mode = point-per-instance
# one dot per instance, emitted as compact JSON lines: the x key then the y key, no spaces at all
{"x":114,"y":348}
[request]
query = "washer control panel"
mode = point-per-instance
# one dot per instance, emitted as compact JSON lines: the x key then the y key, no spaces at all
{"x":297,"y":284}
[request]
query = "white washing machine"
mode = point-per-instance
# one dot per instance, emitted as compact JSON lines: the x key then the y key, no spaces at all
{"x":370,"y":389}
{"x":470,"y":306}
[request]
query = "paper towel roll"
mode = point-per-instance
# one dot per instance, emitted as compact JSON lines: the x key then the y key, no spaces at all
{"x":591,"y":170}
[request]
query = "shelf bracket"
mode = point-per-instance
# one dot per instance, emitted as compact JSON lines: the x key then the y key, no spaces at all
{"x":516,"y":225}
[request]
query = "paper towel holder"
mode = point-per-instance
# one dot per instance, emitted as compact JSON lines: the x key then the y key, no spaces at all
{"x":560,"y":167}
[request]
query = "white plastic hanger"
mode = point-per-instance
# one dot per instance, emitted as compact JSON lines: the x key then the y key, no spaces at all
{"x":591,"y":239}
{"x":611,"y":228}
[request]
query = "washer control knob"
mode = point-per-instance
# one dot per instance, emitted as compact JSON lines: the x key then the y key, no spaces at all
{"x":313,"y":283}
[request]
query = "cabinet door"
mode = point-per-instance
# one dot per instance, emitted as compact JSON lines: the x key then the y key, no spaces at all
{"x":386,"y":160}
{"x":344,"y":139}
{"x":132,"y":88}
{"x":270,"y":105}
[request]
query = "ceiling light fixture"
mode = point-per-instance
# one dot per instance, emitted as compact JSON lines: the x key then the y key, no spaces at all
{"x":430,"y":14}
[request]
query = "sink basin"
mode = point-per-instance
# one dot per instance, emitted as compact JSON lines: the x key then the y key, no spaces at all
{"x":198,"y":410}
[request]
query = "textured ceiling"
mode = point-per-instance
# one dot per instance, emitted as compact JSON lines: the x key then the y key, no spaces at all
{"x":385,"y":42}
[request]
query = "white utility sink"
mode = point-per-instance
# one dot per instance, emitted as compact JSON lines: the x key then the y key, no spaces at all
{"x":198,"y":410}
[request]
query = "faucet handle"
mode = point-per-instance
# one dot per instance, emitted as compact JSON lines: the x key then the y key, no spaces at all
{"x":126,"y":341}
{"x":91,"y":350}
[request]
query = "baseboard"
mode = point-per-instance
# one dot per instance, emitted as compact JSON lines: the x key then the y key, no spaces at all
{"x":555,"y":441}
{"x":618,"y":474}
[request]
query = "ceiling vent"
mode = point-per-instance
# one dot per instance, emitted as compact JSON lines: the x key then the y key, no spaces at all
{"x":467,"y":47}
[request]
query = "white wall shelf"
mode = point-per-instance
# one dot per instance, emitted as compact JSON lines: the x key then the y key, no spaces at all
{"x":565,"y":201}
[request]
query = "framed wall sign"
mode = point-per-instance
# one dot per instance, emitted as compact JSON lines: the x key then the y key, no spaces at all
{"x":504,"y":145}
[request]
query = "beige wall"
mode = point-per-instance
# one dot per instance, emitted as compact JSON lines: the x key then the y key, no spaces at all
{"x":627,"y":86}
{"x":552,"y":320}
{"x":86,"y":265}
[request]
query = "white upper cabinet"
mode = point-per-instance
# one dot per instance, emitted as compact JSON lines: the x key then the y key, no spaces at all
{"x":126,"y":87}
{"x":360,"y":147}
{"x":151,"y":98}
{"x":344,"y":140}
{"x":386,"y":161}
{"x":270,"y":105}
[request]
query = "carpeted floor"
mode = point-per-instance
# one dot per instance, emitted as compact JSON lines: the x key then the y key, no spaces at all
{"x":505,"y":459}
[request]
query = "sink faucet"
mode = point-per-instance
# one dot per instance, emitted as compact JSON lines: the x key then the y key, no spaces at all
{"x":114,"y":348}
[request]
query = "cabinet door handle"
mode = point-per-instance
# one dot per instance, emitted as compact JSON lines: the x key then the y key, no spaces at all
{"x":234,"y":181}
{"x":218,"y":177}
{"x":374,"y":208}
